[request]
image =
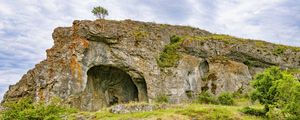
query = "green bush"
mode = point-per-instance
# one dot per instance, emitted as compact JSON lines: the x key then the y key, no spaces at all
{"x":278,"y":89}
{"x":252,"y":111}
{"x":206,"y":98}
{"x":226,"y":98}
{"x":25,"y":109}
{"x":162,"y":98}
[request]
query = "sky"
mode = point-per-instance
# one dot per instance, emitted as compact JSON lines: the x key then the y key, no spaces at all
{"x":26,"y":25}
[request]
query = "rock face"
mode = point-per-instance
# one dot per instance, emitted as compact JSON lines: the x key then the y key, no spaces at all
{"x":95,"y":64}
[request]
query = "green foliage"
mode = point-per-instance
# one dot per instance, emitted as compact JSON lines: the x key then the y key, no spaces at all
{"x":169,"y":57}
{"x":25,"y":109}
{"x":275,"y":88}
{"x":275,"y":114}
{"x":253,"y":111}
{"x":139,"y":36}
{"x":175,"y":39}
{"x":279,"y":50}
{"x":162,"y":98}
{"x":254,"y":63}
{"x":293,"y":71}
{"x":100,"y":12}
{"x":206,"y":98}
{"x":226,"y":98}
{"x":263,"y":84}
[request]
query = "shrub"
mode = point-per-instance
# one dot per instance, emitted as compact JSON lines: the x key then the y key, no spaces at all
{"x":278,"y":89}
{"x":206,"y":98}
{"x":162,"y":98}
{"x":252,"y":111}
{"x":226,"y":98}
{"x":25,"y":109}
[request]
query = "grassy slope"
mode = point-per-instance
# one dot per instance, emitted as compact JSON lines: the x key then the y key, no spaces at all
{"x":181,"y":112}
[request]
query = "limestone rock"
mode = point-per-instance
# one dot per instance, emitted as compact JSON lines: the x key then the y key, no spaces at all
{"x":131,"y":108}
{"x":94,"y":64}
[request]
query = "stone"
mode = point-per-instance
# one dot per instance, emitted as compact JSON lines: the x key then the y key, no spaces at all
{"x":137,"y":107}
{"x":96,"y":64}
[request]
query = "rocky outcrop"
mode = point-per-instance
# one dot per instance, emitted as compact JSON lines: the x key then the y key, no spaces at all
{"x":94,"y":64}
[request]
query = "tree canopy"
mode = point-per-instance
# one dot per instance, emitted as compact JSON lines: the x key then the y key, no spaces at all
{"x":100,"y":12}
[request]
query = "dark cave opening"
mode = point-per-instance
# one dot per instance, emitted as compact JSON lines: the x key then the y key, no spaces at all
{"x":110,"y":85}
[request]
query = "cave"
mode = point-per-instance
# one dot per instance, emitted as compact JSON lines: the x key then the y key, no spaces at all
{"x":108,"y":85}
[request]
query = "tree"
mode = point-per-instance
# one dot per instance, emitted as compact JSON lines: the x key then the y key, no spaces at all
{"x":277,"y":89}
{"x":100,"y":12}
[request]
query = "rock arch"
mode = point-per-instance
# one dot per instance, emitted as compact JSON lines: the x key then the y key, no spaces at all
{"x":108,"y":85}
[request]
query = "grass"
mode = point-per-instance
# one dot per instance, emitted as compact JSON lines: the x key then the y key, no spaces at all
{"x":164,"y":111}
{"x":183,"y":112}
{"x":293,"y":71}
{"x":26,"y":109}
{"x":227,"y":39}
{"x":170,"y":56}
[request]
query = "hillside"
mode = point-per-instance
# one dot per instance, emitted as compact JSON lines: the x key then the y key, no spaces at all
{"x":95,"y":64}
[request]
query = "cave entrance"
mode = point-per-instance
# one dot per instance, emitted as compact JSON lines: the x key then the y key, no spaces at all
{"x":109,"y":85}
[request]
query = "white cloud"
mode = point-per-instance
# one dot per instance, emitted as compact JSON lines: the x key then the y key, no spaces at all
{"x":5,"y":9}
{"x":26,"y":27}
{"x":275,"y":21}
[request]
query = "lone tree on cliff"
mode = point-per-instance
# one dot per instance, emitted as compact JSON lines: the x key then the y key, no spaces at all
{"x":100,"y":12}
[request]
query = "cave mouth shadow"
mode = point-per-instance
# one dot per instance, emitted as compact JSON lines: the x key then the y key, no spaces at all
{"x":110,"y":85}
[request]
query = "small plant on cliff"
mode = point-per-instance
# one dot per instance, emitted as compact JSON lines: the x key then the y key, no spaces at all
{"x":100,"y":12}
{"x":169,"y":57}
{"x":277,"y":89}
{"x":279,"y":50}
{"x":25,"y":109}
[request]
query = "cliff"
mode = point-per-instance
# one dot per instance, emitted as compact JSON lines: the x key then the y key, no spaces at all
{"x":94,"y":64}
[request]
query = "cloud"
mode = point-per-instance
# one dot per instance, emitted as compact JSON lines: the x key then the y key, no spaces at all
{"x":5,"y":9}
{"x":274,"y":21}
{"x":26,"y":27}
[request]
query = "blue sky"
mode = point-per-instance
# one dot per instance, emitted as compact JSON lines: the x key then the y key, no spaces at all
{"x":26,"y":25}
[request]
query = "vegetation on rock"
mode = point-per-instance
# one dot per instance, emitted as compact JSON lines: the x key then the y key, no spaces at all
{"x":170,"y":56}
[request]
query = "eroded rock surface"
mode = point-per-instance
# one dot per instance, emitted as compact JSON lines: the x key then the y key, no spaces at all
{"x":94,"y":64}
